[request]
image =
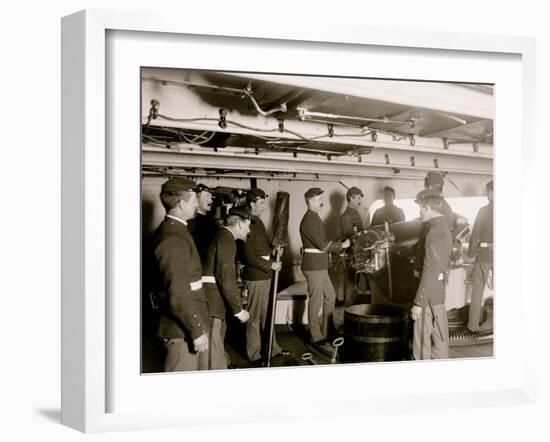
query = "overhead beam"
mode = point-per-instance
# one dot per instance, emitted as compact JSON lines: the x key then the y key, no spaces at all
{"x":186,"y":155}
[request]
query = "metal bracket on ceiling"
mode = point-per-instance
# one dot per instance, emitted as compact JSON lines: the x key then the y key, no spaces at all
{"x":412,"y":139}
{"x":223,"y":118}
{"x":153,"y":111}
{"x":436,"y":163}
{"x":412,"y":162}
{"x":387,"y":158}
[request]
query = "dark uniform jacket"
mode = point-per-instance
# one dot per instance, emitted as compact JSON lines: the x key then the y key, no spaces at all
{"x":448,"y":213}
{"x":449,"y":217}
{"x":183,"y":310}
{"x":482,"y":235}
{"x":313,"y":236}
{"x":351,"y":223}
{"x":203,"y":228}
{"x":391,"y":214}
{"x":220,"y":264}
{"x":438,"y":244}
{"x":257,"y":245}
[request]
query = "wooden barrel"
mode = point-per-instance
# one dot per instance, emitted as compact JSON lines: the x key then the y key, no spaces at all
{"x":375,"y":332}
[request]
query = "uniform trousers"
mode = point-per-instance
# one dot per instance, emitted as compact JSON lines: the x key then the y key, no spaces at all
{"x":322,"y":299}
{"x":431,"y":333}
{"x":179,"y":356}
{"x":258,"y":305}
{"x":216,"y":349}
{"x":480,"y":275}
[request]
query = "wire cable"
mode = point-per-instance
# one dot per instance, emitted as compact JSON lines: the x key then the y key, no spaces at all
{"x":330,"y":134}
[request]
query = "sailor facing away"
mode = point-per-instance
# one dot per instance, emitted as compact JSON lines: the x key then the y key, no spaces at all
{"x":431,"y":332}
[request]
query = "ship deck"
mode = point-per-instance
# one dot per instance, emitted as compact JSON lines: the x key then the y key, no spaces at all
{"x":295,"y":340}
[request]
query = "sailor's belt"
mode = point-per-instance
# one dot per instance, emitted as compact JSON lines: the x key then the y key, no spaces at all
{"x":313,"y":251}
{"x":485,"y":245}
{"x":266,"y":257}
{"x":196,"y":285}
{"x":208,"y":279}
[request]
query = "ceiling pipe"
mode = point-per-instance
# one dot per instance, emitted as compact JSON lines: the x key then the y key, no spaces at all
{"x":247,"y":92}
{"x":305,"y":115}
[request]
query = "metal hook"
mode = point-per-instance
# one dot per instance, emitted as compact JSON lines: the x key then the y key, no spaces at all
{"x":223,"y":122}
{"x":153,"y":111}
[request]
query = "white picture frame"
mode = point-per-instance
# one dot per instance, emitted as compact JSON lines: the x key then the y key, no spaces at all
{"x":87,"y":212}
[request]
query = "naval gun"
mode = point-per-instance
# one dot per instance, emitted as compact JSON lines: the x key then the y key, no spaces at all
{"x":386,"y":254}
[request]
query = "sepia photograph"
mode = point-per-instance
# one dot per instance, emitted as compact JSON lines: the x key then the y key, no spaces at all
{"x":302,"y":220}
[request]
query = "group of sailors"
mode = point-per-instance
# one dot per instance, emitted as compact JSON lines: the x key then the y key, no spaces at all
{"x":198,"y":286}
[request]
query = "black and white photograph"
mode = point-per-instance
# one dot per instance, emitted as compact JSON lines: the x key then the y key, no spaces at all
{"x":302,"y":220}
{"x":275,"y":221}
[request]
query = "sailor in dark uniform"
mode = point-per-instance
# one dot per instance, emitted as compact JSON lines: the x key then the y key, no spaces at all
{"x":433,"y":181}
{"x":258,"y":267}
{"x":203,"y":227}
{"x":480,"y":249}
{"x":389,"y":213}
{"x":184,"y":319}
{"x":220,"y":281}
{"x":351,"y":220}
{"x":316,"y":247}
{"x":431,"y":331}
{"x":352,"y":224}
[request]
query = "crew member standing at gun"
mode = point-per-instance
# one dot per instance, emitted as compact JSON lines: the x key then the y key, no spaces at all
{"x":433,"y":181}
{"x":316,"y":247}
{"x":390,"y":213}
{"x":257,"y":275}
{"x":431,"y":331}
{"x":480,"y":249}
{"x":351,"y":225}
{"x":183,"y":309}
{"x":220,"y":280}
{"x":351,"y":220}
